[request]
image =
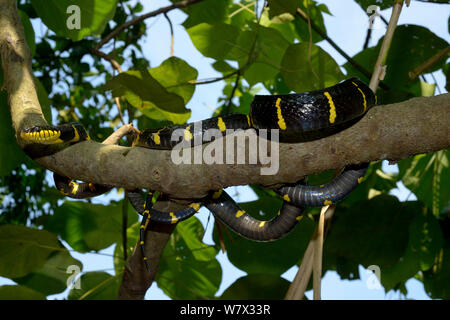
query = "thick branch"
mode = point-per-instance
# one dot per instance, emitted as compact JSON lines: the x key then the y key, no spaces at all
{"x":392,"y":132}
{"x":136,"y":279}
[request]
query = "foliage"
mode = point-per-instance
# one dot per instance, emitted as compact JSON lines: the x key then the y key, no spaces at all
{"x":39,"y":228}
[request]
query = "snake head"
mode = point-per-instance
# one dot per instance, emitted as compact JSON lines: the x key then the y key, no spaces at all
{"x":41,"y":135}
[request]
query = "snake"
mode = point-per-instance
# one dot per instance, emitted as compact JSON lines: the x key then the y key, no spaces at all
{"x":298,"y":117}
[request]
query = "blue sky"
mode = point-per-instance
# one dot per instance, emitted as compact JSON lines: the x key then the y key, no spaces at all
{"x":347,"y":27}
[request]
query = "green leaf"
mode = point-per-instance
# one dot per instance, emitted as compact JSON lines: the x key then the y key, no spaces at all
{"x":314,"y":12}
{"x":428,"y":177}
{"x":396,"y":276}
{"x":205,"y":38}
{"x":174,"y":74}
{"x":425,"y":238}
{"x":24,"y":250}
{"x":144,"y":92}
{"x":223,"y":67}
{"x":87,"y":226}
{"x":273,"y":257}
{"x":302,"y":73}
{"x":188,"y":268}
{"x":425,"y":243}
{"x":12,"y":292}
{"x":266,"y":56}
{"x":372,"y":232}
{"x":132,"y":239}
{"x":62,"y":16}
{"x":436,"y":280}
{"x":52,"y":277}
{"x":257,"y":287}
{"x":277,"y":7}
{"x":96,"y":285}
{"x":208,"y":11}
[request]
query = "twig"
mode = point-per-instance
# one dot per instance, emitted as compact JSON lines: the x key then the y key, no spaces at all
{"x":242,"y":7}
{"x":368,"y":36}
{"x":298,"y":286}
{"x":310,"y":43}
{"x":236,"y":84}
{"x":116,"y":66}
{"x":318,"y":249}
{"x":171,"y":33}
{"x":115,"y":137}
{"x":111,"y":60}
{"x":207,"y":81}
{"x":414,"y":73}
{"x":383,"y":19}
{"x":136,"y":20}
{"x":380,"y":67}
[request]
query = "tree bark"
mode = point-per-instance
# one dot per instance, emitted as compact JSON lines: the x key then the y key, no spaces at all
{"x":391,"y":132}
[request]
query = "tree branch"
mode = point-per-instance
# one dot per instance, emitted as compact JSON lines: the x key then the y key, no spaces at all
{"x":118,"y":30}
{"x":414,"y":73}
{"x":392,"y":132}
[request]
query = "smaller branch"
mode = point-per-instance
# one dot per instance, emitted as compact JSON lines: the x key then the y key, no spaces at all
{"x":116,"y":66}
{"x":318,"y":249}
{"x":414,"y":73}
{"x":108,"y":58}
{"x":243,"y":7}
{"x":298,"y":286}
{"x":207,"y":81}
{"x":115,"y":137}
{"x":171,"y":33}
{"x":380,"y":66}
{"x":383,"y":19}
{"x":236,"y":84}
{"x":368,"y":36}
{"x":310,"y":42}
{"x":136,"y":20}
{"x":119,"y":109}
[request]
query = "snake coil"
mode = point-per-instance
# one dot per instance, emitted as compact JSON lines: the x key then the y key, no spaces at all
{"x":299,"y":117}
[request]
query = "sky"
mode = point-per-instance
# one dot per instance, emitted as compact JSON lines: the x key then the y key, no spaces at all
{"x":346,"y":27}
